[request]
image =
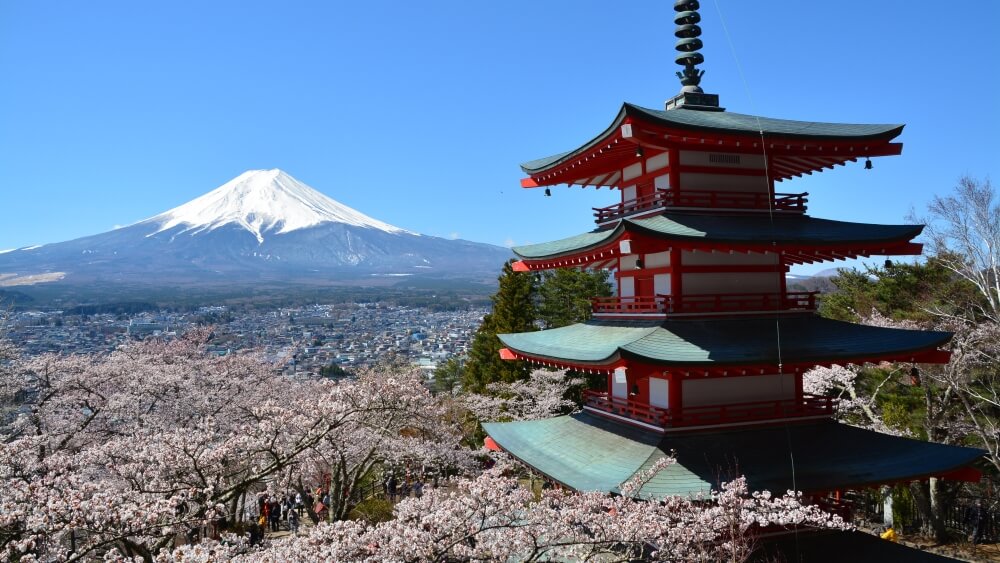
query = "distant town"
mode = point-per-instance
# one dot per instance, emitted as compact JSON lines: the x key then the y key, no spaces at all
{"x":303,"y":340}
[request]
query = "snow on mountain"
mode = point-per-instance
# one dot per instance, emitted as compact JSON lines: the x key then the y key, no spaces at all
{"x":264,"y":201}
{"x":263,"y":227}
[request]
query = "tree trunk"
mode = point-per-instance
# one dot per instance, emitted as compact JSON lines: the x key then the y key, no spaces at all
{"x":929,"y":502}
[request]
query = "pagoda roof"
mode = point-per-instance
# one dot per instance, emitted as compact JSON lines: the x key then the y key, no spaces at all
{"x":799,"y":147}
{"x":837,"y":546}
{"x":733,"y":230}
{"x":718,"y":342}
{"x":590,"y":453}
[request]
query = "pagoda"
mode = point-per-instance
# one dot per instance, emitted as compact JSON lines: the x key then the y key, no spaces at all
{"x":703,"y":347}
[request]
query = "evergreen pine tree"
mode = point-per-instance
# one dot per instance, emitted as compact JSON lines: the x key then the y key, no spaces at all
{"x":513,"y":311}
{"x":565,"y":294}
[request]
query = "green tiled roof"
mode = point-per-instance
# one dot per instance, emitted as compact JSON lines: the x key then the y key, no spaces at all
{"x":586,"y":342}
{"x":737,"y":229}
{"x":721,"y":341}
{"x":590,"y":453}
{"x":835,"y":546}
{"x":729,"y":123}
{"x":567,"y":245}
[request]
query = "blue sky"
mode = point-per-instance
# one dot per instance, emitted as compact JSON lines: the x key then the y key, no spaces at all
{"x":419,"y":113}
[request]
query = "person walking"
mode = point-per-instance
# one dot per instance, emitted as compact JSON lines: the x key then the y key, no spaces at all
{"x":293,"y":522}
{"x":392,"y":488}
{"x":275,"y":515}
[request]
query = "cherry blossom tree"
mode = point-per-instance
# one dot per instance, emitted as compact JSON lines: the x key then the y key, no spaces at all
{"x":131,"y":451}
{"x":126,"y":456}
{"x":540,"y":396}
{"x":495,"y":518}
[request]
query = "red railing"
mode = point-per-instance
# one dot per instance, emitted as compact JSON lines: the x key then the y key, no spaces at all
{"x":628,"y":305}
{"x":657,"y":199}
{"x":809,"y":406}
{"x":704,"y":304}
{"x":740,"y":302}
{"x":623,"y":407}
{"x":712,"y":199}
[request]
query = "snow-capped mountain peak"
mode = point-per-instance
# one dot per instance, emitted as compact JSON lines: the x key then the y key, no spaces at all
{"x":264,"y":201}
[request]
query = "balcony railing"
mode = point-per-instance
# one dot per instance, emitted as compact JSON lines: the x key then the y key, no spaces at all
{"x":659,"y":199}
{"x":629,"y":305}
{"x":711,"y":415}
{"x":656,"y":200}
{"x":741,"y":302}
{"x":809,"y":406}
{"x":629,"y":409}
{"x":704,"y":304}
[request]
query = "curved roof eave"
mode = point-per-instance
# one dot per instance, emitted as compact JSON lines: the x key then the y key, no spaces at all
{"x":573,"y":450}
{"x":593,"y":342}
{"x":540,"y":164}
{"x":746,"y":230}
{"x":569,"y":245}
{"x":741,"y":124}
{"x":720,"y":342}
{"x":758,"y":229}
{"x":726,"y":123}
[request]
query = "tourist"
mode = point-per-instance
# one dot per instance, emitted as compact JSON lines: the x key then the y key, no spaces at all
{"x":392,"y":488}
{"x":274,"y":515}
{"x":293,"y":522}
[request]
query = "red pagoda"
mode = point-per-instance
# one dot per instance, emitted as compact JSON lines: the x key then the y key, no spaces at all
{"x":703,"y":347}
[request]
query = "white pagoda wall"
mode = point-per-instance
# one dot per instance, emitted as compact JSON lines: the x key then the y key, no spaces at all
{"x":729,"y":282}
{"x":722,"y":160}
{"x":738,"y":389}
{"x":696,"y":181}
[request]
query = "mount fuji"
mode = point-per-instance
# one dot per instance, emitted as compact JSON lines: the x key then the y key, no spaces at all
{"x":262,"y":226}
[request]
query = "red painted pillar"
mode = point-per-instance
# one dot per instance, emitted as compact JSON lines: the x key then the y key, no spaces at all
{"x":674,"y":399}
{"x":676,"y":277}
{"x":675,"y":173}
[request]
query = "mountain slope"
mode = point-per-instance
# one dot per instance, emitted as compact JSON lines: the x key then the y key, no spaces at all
{"x":262,"y":225}
{"x":264,"y":201}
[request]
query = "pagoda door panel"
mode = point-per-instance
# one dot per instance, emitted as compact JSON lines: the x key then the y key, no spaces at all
{"x":661,"y":284}
{"x":644,"y":286}
{"x":662,"y":182}
{"x":645,"y":189}
{"x":628,"y":193}
{"x":619,"y":384}
{"x":626,"y":286}
{"x":658,"y":392}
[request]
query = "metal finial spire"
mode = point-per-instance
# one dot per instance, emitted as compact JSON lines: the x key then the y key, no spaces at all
{"x":688,"y":44}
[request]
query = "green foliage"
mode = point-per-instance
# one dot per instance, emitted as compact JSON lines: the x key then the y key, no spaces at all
{"x":334,"y":371}
{"x":523,"y":302}
{"x":513,"y":311}
{"x":920,"y":293}
{"x":898,"y":414}
{"x":564,"y":295}
{"x":897,"y":290}
{"x":373,"y":511}
{"x":447,"y":376}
